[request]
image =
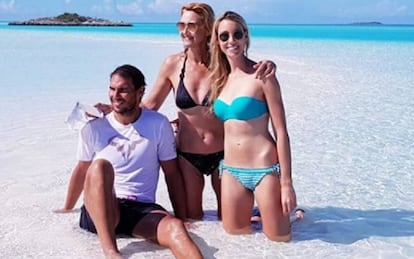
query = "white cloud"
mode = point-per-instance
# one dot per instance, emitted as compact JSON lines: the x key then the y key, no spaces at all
{"x":7,"y":6}
{"x":106,"y":7}
{"x":165,"y":6}
{"x":379,"y":10}
{"x":389,"y":8}
{"x":133,"y":8}
{"x":97,"y":9}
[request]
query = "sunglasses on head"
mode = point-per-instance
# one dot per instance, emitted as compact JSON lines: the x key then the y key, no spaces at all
{"x":237,"y":35}
{"x":191,"y":26}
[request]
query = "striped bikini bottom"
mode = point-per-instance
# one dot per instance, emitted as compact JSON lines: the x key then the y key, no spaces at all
{"x":249,"y":177}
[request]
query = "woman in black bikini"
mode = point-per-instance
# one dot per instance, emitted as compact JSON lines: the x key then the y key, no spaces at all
{"x":199,"y":134}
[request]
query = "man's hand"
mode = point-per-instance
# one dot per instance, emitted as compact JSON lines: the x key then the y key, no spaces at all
{"x":62,"y":211}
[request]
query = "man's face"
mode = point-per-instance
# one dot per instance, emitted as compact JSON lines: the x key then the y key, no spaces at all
{"x":123,"y":96}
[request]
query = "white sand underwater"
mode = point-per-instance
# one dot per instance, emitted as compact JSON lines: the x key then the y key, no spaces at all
{"x":349,"y":108}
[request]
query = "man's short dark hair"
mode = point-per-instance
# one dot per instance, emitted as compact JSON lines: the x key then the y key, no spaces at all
{"x":132,"y":73}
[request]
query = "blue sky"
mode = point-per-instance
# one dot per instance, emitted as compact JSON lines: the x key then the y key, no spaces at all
{"x":260,"y":11}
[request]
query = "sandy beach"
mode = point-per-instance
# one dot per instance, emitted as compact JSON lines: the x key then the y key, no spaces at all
{"x":349,"y":113}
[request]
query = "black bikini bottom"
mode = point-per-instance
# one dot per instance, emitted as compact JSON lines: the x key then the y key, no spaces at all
{"x":205,"y":163}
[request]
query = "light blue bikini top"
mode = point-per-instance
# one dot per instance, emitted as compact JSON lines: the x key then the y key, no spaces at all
{"x":242,"y":108}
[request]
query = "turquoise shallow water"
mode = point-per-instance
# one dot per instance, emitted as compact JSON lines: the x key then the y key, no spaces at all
{"x":337,"y":32}
{"x":349,"y":111}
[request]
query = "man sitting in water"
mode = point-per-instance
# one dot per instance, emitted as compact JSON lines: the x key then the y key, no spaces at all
{"x":119,"y":160}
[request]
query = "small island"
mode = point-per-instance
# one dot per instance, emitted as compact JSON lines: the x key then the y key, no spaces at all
{"x":367,"y":23}
{"x":71,"y":19}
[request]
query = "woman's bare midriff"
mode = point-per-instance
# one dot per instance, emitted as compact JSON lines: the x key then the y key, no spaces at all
{"x":199,"y":131}
{"x":249,"y":144}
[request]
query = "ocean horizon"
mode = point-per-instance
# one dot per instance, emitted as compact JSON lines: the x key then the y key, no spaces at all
{"x":349,"y":107}
{"x":367,"y":32}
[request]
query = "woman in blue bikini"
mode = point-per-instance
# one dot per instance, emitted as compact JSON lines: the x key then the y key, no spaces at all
{"x":256,"y":165}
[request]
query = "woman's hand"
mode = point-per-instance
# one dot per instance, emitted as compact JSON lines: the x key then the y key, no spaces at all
{"x":288,"y":198}
{"x":265,"y":69}
{"x":175,"y":124}
{"x":103,"y":107}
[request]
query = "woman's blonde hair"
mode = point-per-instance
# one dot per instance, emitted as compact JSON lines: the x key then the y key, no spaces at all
{"x":205,"y":12}
{"x":219,"y":65}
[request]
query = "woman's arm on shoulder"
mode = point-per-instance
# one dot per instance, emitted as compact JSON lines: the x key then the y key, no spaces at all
{"x":265,"y":69}
{"x":163,"y":83}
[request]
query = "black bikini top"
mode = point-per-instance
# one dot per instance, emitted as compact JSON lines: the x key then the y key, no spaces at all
{"x":183,"y":99}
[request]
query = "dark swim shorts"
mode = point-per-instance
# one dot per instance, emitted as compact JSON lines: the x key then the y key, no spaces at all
{"x":131,"y":212}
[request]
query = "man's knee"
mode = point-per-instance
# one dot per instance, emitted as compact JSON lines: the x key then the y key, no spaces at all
{"x":175,"y":236}
{"x":171,"y":230}
{"x":174,"y":224}
{"x":99,"y":172}
{"x":101,"y":165}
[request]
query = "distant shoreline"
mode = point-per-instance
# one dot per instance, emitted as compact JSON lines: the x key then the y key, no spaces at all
{"x":8,"y":22}
{"x":70,"y":19}
{"x":367,"y":23}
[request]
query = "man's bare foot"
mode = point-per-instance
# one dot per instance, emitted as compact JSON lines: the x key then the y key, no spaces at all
{"x":299,"y":213}
{"x":255,"y":218}
{"x":112,"y":254}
